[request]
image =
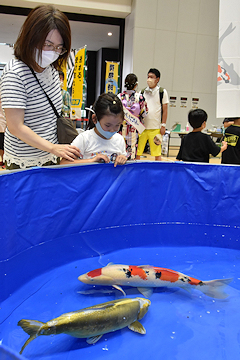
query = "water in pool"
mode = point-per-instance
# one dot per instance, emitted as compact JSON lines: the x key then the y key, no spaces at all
{"x":179,"y":325}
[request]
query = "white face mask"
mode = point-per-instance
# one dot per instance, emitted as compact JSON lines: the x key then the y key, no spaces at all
{"x":48,"y":57}
{"x":151,"y":83}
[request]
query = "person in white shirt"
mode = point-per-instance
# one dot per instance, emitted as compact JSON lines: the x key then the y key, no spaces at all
{"x":102,"y":143}
{"x":155,"y":121}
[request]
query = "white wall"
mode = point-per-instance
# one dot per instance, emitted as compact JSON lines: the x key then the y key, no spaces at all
{"x":180,"y":38}
{"x":6,"y":53}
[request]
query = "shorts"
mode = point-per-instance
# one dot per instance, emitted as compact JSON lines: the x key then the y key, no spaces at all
{"x":1,"y":141}
{"x":149,"y":135}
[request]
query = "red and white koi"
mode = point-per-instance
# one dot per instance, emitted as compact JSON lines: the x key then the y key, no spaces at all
{"x":146,"y":277}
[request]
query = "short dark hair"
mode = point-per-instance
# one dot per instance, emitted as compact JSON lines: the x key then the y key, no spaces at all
{"x":34,"y":31}
{"x":231,"y":119}
{"x":106,"y":104}
{"x":155,"y":72}
{"x":196,"y":117}
{"x":130,"y":81}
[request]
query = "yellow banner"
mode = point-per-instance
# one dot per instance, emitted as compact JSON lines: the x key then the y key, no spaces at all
{"x":111,"y":78}
{"x":77,"y":87}
{"x":65,"y":78}
{"x":64,"y":70}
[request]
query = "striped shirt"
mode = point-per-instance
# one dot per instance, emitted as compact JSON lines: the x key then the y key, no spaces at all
{"x":20,"y":90}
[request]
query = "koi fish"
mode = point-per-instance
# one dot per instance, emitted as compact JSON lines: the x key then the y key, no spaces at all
{"x":146,"y":277}
{"x":92,"y":322}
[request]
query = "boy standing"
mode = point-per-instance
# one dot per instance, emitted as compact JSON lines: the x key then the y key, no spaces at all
{"x":197,"y":146}
{"x":232,"y":134}
{"x":155,"y":121}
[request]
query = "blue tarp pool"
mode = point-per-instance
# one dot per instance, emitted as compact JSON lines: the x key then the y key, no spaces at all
{"x":60,"y":222}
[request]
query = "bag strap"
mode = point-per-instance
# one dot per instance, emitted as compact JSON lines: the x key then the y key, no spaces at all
{"x":161,"y":90}
{"x":50,"y":101}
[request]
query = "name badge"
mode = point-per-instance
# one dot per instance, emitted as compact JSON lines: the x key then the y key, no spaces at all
{"x":133,"y":120}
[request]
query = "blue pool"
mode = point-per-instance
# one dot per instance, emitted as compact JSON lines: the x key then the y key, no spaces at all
{"x":63,"y":222}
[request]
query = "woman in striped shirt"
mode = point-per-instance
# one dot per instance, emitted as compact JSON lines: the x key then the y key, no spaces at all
{"x":43,"y":44}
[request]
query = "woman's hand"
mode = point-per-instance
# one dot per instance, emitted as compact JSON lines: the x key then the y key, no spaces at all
{"x":15,"y":123}
{"x":68,"y":152}
{"x":120,"y":160}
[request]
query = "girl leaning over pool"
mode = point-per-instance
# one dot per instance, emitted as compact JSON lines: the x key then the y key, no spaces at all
{"x":102,"y":143}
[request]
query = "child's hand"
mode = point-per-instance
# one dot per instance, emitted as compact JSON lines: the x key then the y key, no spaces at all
{"x":224,"y":146}
{"x":120,"y":160}
{"x":101,"y":158}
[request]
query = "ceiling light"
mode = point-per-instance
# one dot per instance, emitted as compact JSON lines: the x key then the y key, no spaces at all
{"x":109,"y":34}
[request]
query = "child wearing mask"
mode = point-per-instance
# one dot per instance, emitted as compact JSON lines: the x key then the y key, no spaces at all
{"x":136,"y":104}
{"x":101,"y":142}
{"x":155,"y":121}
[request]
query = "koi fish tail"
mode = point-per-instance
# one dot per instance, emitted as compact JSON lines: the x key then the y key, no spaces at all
{"x":214,"y":288}
{"x":32,"y":328}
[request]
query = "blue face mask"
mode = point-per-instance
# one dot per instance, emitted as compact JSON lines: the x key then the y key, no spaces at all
{"x":106,"y":134}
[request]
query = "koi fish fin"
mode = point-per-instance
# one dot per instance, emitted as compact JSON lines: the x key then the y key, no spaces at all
{"x":27,"y":342}
{"x":93,"y":339}
{"x":117,"y":287}
{"x":32,"y":328}
{"x":136,"y":326}
{"x":186,"y":289}
{"x":146,"y":291}
{"x":214,"y":288}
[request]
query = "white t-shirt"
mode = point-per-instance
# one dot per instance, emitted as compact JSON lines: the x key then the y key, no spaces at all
{"x":90,"y":144}
{"x":153,"y":118}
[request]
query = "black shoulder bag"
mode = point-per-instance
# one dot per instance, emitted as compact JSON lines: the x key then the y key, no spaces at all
{"x":66,"y":132}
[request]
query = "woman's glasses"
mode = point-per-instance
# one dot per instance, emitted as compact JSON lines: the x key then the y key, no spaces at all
{"x":58,"y":49}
